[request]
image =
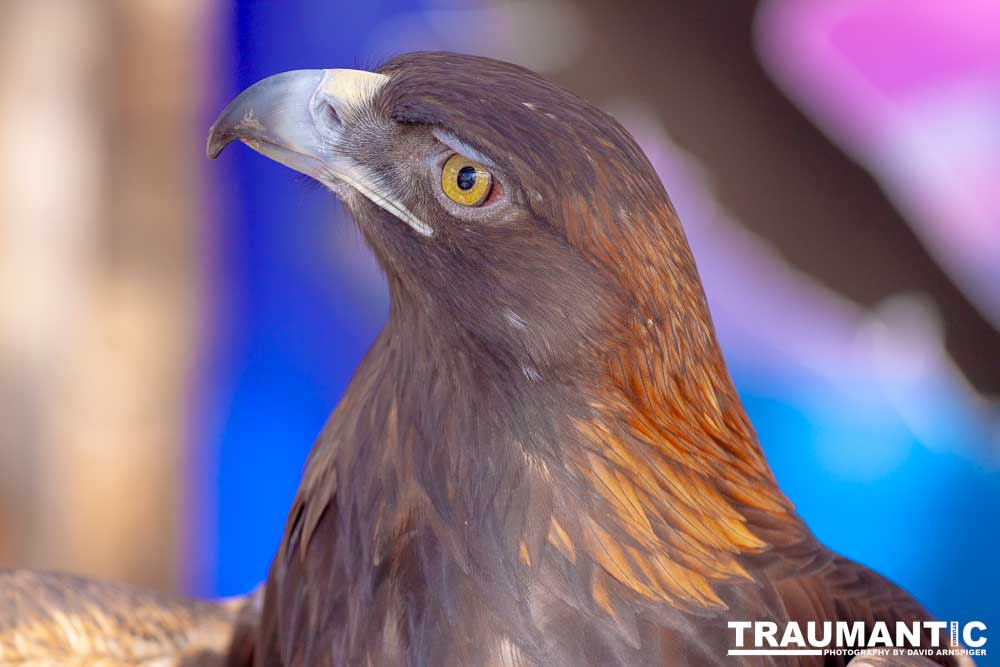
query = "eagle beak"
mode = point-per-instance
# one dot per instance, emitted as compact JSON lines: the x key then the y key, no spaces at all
{"x":301,"y":119}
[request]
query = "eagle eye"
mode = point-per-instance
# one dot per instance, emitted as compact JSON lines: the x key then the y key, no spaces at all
{"x":466,"y":181}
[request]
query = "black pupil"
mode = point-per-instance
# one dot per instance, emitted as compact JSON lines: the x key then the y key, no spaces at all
{"x":466,"y":178}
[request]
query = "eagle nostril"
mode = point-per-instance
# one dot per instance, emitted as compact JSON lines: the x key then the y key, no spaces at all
{"x":329,"y":115}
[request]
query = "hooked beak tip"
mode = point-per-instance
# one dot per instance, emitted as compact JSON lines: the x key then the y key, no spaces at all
{"x":275,"y":109}
{"x":217,"y":141}
{"x":287,"y":118}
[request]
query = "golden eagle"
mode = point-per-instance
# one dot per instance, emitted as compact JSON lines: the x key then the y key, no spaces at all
{"x":542,"y":460}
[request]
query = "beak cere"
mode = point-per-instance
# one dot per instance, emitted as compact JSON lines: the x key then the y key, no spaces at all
{"x":300,"y":119}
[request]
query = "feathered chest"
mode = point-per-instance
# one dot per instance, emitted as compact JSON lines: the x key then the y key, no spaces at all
{"x":455,"y":531}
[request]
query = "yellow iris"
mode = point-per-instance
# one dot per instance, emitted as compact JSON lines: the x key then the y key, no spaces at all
{"x":465,"y":181}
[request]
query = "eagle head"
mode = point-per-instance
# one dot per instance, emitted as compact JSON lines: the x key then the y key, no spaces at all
{"x":505,"y":211}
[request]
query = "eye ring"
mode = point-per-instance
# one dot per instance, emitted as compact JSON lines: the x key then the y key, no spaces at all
{"x":465,"y":181}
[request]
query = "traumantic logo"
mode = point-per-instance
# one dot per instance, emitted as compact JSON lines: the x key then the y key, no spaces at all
{"x":929,"y":638}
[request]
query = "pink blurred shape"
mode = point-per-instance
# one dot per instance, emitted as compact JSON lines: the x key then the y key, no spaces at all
{"x":912,"y":91}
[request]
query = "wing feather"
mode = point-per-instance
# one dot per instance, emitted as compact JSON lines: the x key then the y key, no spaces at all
{"x":61,"y":619}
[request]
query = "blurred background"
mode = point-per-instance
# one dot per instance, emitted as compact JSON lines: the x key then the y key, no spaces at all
{"x":174,"y":332}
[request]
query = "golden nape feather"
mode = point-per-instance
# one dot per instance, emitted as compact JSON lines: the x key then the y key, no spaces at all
{"x":59,"y":619}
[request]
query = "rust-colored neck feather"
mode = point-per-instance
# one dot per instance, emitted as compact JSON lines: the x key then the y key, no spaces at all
{"x":669,"y":448}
